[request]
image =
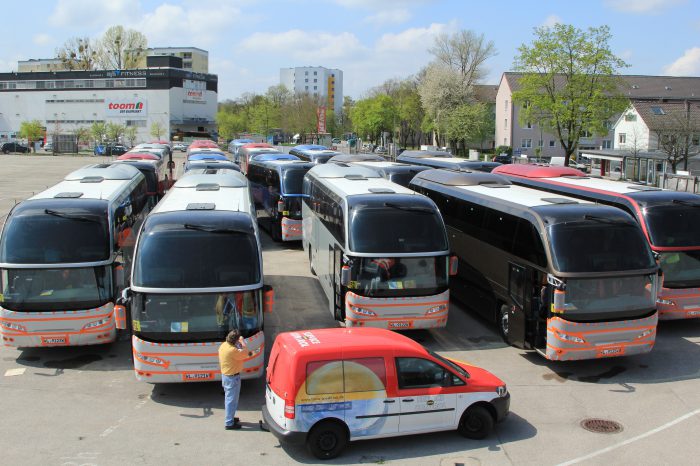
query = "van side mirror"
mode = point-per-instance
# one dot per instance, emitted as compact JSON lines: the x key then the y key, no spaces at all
{"x":454,"y":265}
{"x":268,"y":298}
{"x":345,"y":275}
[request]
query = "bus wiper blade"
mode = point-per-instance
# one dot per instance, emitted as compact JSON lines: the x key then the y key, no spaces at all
{"x":423,"y":210}
{"x":684,"y":202}
{"x":80,"y":218}
{"x":190,"y":226}
{"x":618,"y":221}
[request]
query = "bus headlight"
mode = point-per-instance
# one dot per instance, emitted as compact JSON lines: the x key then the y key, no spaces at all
{"x":151,"y":360}
{"x":645,"y":333}
{"x":572,"y":338}
{"x":665,"y":302}
{"x":96,"y":323}
{"x":361,"y":311}
{"x":436,"y":309}
{"x":502,"y":390}
{"x":13,"y":326}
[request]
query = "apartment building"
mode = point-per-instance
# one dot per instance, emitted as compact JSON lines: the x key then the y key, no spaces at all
{"x":325,"y":83}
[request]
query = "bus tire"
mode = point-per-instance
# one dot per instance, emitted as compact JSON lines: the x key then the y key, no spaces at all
{"x":327,"y":440}
{"x":504,"y":322}
{"x":476,"y":423}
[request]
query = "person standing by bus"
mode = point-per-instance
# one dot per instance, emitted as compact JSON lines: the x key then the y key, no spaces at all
{"x":232,"y":353}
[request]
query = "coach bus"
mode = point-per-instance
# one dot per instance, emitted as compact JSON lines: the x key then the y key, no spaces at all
{"x":276,"y":189}
{"x":380,"y":250}
{"x":670,"y":221}
{"x":197,"y":275}
{"x":396,"y":172}
{"x":568,"y":278}
{"x":64,"y":256}
{"x":439,"y":159}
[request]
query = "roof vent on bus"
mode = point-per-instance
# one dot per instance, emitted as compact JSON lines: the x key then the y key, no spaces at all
{"x":92,"y":179}
{"x":207,"y":187}
{"x":644,"y":188}
{"x":381,"y":190}
{"x":559,"y":200}
{"x":354,"y":176}
{"x":201,"y":206}
{"x":575,"y":177}
{"x":492,"y":184}
{"x":211,"y":171}
{"x":68,"y":195}
{"x":102,"y":165}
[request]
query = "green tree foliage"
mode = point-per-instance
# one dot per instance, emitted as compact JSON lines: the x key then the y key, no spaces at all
{"x":157,"y":129}
{"x":121,"y":49}
{"x":130,"y":134}
{"x":469,"y":125}
{"x":82,"y":133}
{"x":98,"y":131}
{"x":114,"y":131}
{"x":570,"y":82}
{"x":373,"y":115}
{"x":78,"y":53}
{"x":31,"y":130}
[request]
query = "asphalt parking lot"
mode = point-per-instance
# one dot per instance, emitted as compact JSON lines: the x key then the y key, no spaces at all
{"x":83,"y":406}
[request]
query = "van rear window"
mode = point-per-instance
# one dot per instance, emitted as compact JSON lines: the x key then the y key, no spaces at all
{"x":349,"y":376}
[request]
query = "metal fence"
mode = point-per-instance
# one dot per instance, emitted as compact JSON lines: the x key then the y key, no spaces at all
{"x":686,"y":183}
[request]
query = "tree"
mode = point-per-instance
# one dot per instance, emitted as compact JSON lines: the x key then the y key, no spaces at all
{"x":441,"y":89}
{"x":121,"y":49}
{"x":130,"y":134}
{"x":98,"y":131}
{"x":464,"y":52}
{"x":157,"y":129}
{"x":82,"y":133}
{"x":570,"y":84}
{"x":31,"y":130}
{"x":114,"y":131}
{"x":78,"y":53}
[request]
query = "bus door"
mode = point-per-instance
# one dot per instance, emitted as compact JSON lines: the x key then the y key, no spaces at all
{"x":338,"y":301}
{"x":520,"y":301}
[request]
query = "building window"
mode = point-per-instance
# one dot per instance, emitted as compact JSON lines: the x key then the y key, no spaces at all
{"x":506,"y":123}
{"x":607,"y":144}
{"x":586,"y":134}
{"x":552,"y":143}
{"x":528,"y":125}
{"x":187,"y":55}
{"x":315,"y":87}
{"x":505,"y":141}
{"x":137,"y":123}
{"x":187,"y":64}
{"x":306,"y":80}
{"x":630,"y":117}
{"x":657,"y":111}
{"x":505,"y":107}
{"x":315,"y":73}
{"x":622,"y":138}
{"x":315,"y":80}
{"x":526,"y":143}
{"x":306,"y":88}
{"x":306,"y":73}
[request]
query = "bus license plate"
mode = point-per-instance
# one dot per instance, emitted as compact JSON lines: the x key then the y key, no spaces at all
{"x":197,"y":377}
{"x":51,"y":341}
{"x":616,"y":351}
{"x":400,"y":324}
{"x":692,"y":313}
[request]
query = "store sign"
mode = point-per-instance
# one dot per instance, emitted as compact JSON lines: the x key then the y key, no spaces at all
{"x":196,"y":95}
{"x":128,"y":107}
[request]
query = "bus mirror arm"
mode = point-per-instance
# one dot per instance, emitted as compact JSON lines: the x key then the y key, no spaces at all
{"x":125,"y":297}
{"x":454,"y":265}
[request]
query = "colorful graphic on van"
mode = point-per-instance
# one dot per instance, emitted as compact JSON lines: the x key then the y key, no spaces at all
{"x":344,"y":390}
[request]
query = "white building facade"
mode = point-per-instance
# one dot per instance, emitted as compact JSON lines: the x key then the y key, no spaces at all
{"x":181,"y":102}
{"x":325,"y":83}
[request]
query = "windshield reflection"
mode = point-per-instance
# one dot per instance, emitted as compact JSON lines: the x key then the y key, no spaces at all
{"x":399,"y":276}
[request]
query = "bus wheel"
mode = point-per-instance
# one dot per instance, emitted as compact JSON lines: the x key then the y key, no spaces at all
{"x":476,"y":423}
{"x":326,"y":440}
{"x":503,"y":322}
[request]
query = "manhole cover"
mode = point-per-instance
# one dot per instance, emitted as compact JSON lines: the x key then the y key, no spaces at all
{"x":601,"y":426}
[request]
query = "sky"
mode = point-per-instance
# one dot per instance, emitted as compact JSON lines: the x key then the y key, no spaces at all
{"x":369,"y":40}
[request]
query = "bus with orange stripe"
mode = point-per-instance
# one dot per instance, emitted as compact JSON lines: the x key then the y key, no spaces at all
{"x":669,"y":219}
{"x":379,"y":249}
{"x":565,"y":277}
{"x":197,"y":275}
{"x":64,"y":256}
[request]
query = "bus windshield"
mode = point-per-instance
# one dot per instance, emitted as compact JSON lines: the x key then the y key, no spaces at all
{"x":196,"y":256}
{"x":681,"y":269}
{"x":399,"y":276}
{"x":673,"y":225}
{"x":58,"y":235}
{"x":590,"y":246}
{"x":396,"y":227}
{"x":292,"y":180}
{"x":597,"y":298}
{"x":69,"y":289}
{"x":196,"y":317}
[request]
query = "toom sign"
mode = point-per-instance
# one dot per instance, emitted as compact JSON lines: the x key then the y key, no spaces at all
{"x":126,"y":107}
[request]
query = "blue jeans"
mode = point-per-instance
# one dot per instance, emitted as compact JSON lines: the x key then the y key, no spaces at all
{"x":232,"y":388}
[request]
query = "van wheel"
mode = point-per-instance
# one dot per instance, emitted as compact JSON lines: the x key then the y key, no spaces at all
{"x":311,"y":264}
{"x":326,"y":440}
{"x":504,"y":323}
{"x":476,"y":423}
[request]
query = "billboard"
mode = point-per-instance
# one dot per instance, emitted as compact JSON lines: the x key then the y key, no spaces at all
{"x":321,"y":120}
{"x":126,"y":107}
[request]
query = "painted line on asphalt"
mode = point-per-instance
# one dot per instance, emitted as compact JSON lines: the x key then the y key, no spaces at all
{"x":631,"y":440}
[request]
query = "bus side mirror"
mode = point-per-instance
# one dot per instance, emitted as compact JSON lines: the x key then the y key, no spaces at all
{"x":454,"y":265}
{"x":268,"y":298}
{"x":345,"y":275}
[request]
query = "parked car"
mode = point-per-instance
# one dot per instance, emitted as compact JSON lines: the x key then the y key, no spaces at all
{"x":48,"y":147}
{"x":110,"y":149}
{"x":181,"y":146}
{"x":503,"y":158}
{"x":14,"y":147}
{"x":335,"y":140}
{"x":380,"y":150}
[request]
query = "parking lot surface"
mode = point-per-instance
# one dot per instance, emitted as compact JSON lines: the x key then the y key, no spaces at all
{"x":83,"y":406}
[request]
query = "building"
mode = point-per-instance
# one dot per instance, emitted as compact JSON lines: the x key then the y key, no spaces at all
{"x":34,"y":65}
{"x":182,"y":102}
{"x":526,"y":137}
{"x":325,"y":83}
{"x":193,"y":59}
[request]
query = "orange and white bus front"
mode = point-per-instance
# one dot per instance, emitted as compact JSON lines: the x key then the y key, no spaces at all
{"x":190,"y":362}
{"x":402,"y":313}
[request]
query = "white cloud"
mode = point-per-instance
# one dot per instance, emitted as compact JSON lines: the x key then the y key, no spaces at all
{"x":42,"y":39}
{"x":94,"y":13}
{"x":311,"y":47}
{"x":383,"y":4}
{"x":551,"y":20}
{"x":383,"y":17}
{"x":687,"y":65}
{"x":413,"y":39}
{"x":642,"y":6}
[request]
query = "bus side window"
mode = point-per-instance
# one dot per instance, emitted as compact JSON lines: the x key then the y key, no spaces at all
{"x":516,"y":284}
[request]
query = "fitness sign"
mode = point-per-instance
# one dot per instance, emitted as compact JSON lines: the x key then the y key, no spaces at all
{"x":126,"y":107}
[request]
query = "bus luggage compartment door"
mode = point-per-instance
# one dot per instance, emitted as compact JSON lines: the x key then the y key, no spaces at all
{"x":518,"y":283}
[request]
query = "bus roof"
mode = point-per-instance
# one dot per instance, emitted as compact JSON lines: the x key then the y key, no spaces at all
{"x":419,"y":154}
{"x":351,"y":180}
{"x":107,"y":171}
{"x":282,"y":164}
{"x":537,"y":171}
{"x":98,"y":181}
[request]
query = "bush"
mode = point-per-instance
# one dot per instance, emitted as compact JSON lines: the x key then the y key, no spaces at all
{"x":503,"y":149}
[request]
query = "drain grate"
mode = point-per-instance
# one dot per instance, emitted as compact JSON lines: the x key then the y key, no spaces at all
{"x":601,"y":426}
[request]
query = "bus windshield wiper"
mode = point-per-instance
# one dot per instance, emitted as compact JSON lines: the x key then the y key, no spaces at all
{"x":684,"y":202}
{"x":190,"y":226}
{"x":80,"y":218}
{"x":617,"y":221}
{"x":409,"y":208}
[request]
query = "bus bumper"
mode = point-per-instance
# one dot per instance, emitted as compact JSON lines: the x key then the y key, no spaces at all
{"x":397,"y":313}
{"x":567,"y":341}
{"x":190,"y":362}
{"x":675,"y":304}
{"x":291,"y":229}
{"x":58,"y":328}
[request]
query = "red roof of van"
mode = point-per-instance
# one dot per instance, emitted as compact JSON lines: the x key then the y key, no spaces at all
{"x":536,"y":171}
{"x":251,"y":145}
